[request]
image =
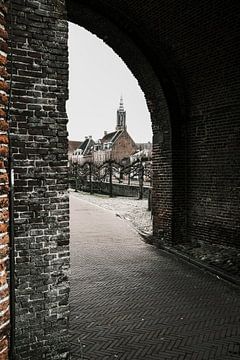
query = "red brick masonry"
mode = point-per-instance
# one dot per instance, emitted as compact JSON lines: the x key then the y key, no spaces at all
{"x":4,"y":188}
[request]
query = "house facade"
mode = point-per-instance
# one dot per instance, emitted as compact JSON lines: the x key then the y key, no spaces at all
{"x":72,"y":146}
{"x":84,"y":153}
{"x":116,"y":145}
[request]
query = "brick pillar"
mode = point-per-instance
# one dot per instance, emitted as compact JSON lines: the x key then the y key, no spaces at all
{"x":4,"y":189}
{"x":39,"y":150}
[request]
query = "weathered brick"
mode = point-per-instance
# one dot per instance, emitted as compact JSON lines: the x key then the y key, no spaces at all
{"x":4,"y":139}
{"x":2,"y":20}
{"x":4,"y":305}
{"x":4,"y":293}
{"x":2,"y":113}
{"x":3,"y":72}
{"x":3,"y":178}
{"x":3,"y":45}
{"x":4,"y":86}
{"x":4,"y":354}
{"x":3,"y":8}
{"x":190,"y":78}
{"x":3,"y":99}
{"x":4,"y":239}
{"x":4,"y":318}
{"x":2,"y":164}
{"x":3,"y":60}
{"x":3,"y":151}
{"x":34,"y":142}
{"x":3,"y":202}
{"x":3,"y":279}
{"x":4,"y":189}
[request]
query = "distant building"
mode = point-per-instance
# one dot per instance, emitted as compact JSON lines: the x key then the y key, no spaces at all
{"x":116,"y":145}
{"x":144,"y":152}
{"x":84,"y":152}
{"x":72,"y":146}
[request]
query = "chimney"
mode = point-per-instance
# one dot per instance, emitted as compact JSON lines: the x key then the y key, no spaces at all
{"x":90,"y":137}
{"x":105,"y":132}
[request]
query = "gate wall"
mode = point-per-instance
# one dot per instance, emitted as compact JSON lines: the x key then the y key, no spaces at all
{"x":4,"y":187}
{"x":41,"y":208}
{"x":194,"y":52}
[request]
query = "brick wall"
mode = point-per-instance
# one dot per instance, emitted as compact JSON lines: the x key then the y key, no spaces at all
{"x":41,"y":210}
{"x":4,"y":189}
{"x":123,"y":147}
{"x":194,"y":52}
{"x":185,"y":57}
{"x":115,"y":35}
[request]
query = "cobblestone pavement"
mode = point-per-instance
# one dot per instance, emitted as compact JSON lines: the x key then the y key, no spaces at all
{"x":135,"y":211}
{"x":131,"y":301}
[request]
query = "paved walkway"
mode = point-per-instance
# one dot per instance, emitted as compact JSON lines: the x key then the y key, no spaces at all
{"x":133,"y":210}
{"x":130,"y":301}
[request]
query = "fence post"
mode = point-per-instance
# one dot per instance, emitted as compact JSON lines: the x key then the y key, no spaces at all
{"x":140,"y":177}
{"x":150,"y":199}
{"x":76,"y":177}
{"x":120,"y":175}
{"x":129,"y":177}
{"x":90,"y":178}
{"x":110,"y":179}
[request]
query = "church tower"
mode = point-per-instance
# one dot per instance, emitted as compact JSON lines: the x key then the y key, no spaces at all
{"x":121,"y":117}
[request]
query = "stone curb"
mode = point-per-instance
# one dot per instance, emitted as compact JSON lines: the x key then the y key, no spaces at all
{"x":149,"y":239}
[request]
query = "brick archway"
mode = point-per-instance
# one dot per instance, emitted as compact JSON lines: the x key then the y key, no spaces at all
{"x":167,"y":114}
{"x":190,"y":76}
{"x":39,"y":146}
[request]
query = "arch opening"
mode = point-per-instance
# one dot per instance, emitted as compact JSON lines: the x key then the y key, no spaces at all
{"x":39,"y":143}
{"x":162,"y":98}
{"x":39,"y":139}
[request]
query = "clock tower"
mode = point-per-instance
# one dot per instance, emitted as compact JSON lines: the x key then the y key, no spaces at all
{"x":121,"y":117}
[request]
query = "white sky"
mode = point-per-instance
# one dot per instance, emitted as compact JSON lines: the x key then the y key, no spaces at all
{"x":98,"y":77}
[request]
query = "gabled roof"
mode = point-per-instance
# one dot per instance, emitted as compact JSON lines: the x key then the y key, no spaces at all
{"x":111,"y":137}
{"x":73,"y":145}
{"x":86,"y":146}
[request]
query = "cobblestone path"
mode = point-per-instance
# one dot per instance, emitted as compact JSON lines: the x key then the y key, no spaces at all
{"x":130,"y":301}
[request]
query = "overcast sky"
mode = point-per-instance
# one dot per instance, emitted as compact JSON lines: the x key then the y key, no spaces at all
{"x":98,"y":78}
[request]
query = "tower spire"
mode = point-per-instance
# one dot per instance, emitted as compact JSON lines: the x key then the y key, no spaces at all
{"x":121,"y":116}
{"x":121,"y":106}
